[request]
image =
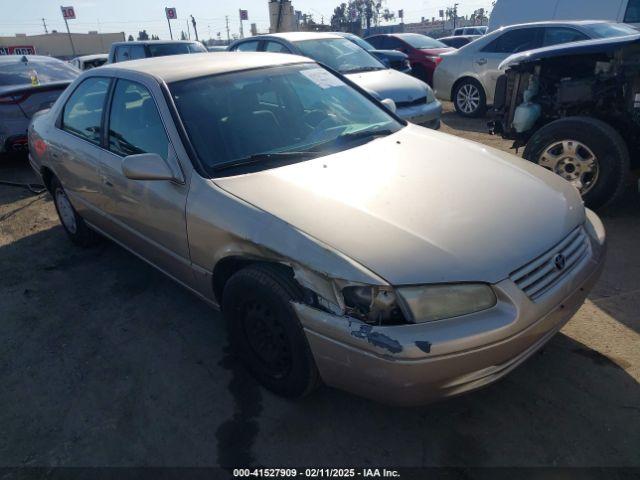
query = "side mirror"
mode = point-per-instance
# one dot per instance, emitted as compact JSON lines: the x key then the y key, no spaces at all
{"x":146,"y":166}
{"x":389,"y":104}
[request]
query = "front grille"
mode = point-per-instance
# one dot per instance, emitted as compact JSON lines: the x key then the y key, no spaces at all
{"x":412,"y":103}
{"x":541,"y":274}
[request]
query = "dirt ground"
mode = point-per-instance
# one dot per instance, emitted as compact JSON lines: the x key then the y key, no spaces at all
{"x":104,"y":361}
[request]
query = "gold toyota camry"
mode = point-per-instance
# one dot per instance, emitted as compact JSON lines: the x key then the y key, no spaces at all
{"x":342,"y":244}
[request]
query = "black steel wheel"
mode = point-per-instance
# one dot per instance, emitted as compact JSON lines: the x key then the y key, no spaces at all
{"x":265,"y":332}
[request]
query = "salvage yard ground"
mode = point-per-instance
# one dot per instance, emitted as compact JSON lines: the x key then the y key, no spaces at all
{"x":104,"y":361}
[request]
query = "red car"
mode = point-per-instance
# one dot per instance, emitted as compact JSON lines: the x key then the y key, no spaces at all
{"x":424,"y":52}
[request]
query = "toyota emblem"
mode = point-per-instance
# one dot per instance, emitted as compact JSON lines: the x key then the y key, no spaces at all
{"x":560,"y":261}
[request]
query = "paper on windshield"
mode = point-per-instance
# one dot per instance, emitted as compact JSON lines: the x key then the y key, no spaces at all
{"x":322,"y":78}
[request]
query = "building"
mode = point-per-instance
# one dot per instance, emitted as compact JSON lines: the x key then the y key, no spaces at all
{"x":56,"y":44}
{"x":282,"y":17}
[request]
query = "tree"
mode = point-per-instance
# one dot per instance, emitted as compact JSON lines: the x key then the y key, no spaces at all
{"x":155,"y":37}
{"x":183,"y":36}
{"x":130,"y":39}
{"x":339,"y":18}
{"x":143,"y":35}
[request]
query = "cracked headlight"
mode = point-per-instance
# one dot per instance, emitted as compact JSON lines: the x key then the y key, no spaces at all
{"x":435,"y":302}
{"x":374,"y":305}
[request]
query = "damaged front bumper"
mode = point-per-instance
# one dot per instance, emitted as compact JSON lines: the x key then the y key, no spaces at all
{"x":419,"y":363}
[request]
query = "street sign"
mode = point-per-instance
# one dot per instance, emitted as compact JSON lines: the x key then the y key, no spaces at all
{"x":400,"y":13}
{"x":441,"y":13}
{"x":68,"y":13}
{"x":244,"y":14}
{"x":171,"y":13}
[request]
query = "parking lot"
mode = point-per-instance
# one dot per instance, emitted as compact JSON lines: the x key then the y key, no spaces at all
{"x":104,"y":361}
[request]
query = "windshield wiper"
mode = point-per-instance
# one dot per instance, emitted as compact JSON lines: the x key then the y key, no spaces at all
{"x":364,"y":134}
{"x":262,"y":158}
{"x":363,"y":69}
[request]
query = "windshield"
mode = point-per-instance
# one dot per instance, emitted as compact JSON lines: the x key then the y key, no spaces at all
{"x":163,"y":49}
{"x":340,"y":54}
{"x":295,"y":111}
{"x":421,"y":41}
{"x":36,"y":72}
{"x":360,"y":42}
{"x":609,"y":30}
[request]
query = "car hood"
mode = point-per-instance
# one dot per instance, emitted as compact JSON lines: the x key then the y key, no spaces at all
{"x":390,"y":83}
{"x":585,"y":47}
{"x":421,"y":207}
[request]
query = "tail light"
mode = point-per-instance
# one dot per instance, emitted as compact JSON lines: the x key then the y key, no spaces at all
{"x":435,"y":59}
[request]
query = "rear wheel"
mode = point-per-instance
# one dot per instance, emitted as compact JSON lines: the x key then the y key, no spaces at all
{"x":265,"y":331}
{"x":73,"y":224}
{"x":588,"y":153}
{"x":469,"y":98}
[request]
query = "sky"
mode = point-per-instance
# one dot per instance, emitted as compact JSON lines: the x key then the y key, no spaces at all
{"x":131,"y":16}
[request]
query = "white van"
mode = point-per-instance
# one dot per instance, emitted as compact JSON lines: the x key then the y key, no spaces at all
{"x":511,"y":12}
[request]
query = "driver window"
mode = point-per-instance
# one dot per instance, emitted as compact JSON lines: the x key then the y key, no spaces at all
{"x":135,"y":125}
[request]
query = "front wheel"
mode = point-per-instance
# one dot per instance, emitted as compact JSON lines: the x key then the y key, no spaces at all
{"x":469,"y":98}
{"x":588,"y":153}
{"x":265,"y":331}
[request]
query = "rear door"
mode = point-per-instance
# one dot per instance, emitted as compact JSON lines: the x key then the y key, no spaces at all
{"x":487,"y":60}
{"x":75,"y":149}
{"x":147,"y":216}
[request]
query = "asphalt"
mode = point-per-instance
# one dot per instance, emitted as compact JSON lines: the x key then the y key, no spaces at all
{"x":105,"y":362}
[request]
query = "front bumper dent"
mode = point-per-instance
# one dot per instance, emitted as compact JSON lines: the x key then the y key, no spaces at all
{"x":418,"y":364}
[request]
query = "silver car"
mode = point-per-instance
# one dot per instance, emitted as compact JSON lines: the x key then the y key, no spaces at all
{"x":414,"y":99}
{"x":342,"y":244}
{"x":468,"y":76}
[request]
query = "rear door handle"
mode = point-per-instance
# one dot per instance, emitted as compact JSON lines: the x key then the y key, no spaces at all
{"x":481,"y":61}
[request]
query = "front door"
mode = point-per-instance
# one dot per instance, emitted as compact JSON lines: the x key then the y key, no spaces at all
{"x":147,"y":216}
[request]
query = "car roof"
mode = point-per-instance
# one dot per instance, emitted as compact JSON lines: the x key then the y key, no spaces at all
{"x":575,"y":23}
{"x":173,"y":68}
{"x":146,"y":42}
{"x":30,"y":58}
{"x":92,"y":57}
{"x":299,"y":36}
{"x":470,"y":37}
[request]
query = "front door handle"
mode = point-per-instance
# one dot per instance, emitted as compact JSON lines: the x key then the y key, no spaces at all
{"x":481,"y":61}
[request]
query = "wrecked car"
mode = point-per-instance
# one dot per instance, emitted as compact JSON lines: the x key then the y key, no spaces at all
{"x":342,"y":244}
{"x":576,"y":110}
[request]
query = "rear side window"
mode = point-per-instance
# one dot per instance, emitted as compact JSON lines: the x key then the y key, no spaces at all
{"x":632,"y":14}
{"x":251,"y":46}
{"x":82,"y":115}
{"x":276,"y":47}
{"x":515,"y":41}
{"x":558,"y":35}
{"x":377,"y":42}
{"x":121,"y":54}
{"x":135,"y":125}
{"x":136,"y":51}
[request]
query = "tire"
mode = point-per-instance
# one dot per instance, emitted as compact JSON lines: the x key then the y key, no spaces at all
{"x":265,"y":332}
{"x":73,"y":224}
{"x":471,"y":90}
{"x":602,"y":185}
